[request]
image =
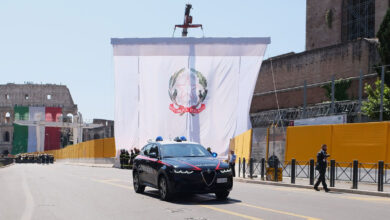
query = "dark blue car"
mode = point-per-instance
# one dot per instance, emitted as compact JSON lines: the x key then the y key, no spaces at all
{"x":175,"y":167}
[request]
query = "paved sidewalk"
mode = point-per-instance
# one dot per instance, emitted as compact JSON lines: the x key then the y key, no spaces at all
{"x":340,"y":186}
{"x":90,"y":165}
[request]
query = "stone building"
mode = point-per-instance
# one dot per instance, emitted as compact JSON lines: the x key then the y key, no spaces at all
{"x":106,"y":131}
{"x":340,"y":43}
{"x":30,"y":95}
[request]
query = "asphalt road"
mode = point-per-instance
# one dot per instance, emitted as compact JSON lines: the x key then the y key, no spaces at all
{"x":59,"y":191}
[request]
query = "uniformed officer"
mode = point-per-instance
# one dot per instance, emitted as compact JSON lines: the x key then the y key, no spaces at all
{"x":321,"y":167}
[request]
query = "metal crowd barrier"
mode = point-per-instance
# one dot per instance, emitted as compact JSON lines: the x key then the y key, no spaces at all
{"x":354,"y":171}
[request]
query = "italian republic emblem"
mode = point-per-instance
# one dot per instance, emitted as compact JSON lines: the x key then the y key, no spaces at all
{"x":187,"y":91}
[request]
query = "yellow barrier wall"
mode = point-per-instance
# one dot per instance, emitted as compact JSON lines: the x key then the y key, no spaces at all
{"x":366,"y":142}
{"x":303,"y":142}
{"x":100,"y":148}
{"x":243,"y":145}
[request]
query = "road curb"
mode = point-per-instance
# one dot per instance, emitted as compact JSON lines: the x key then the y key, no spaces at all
{"x":7,"y":165}
{"x":89,"y":165}
{"x":353,"y":191}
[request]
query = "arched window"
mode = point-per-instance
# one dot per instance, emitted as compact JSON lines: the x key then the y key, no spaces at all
{"x":6,"y":136}
{"x":7,"y":117}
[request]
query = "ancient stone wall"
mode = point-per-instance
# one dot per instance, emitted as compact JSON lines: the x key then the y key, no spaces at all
{"x":316,"y":67}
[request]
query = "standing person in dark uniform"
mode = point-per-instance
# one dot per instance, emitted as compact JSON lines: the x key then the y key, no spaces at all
{"x":321,"y":167}
{"x":232,"y":162}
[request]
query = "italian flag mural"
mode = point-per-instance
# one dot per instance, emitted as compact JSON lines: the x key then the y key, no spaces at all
{"x":25,"y":137}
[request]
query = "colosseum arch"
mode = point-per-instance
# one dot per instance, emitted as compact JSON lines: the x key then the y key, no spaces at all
{"x":6,"y":137}
{"x":7,"y":118}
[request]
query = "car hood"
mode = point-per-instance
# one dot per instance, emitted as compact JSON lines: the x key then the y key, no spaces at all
{"x":196,"y":163}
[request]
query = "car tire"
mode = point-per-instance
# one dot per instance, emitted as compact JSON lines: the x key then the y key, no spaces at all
{"x":163,"y":189}
{"x":138,"y":188}
{"x":223,"y":195}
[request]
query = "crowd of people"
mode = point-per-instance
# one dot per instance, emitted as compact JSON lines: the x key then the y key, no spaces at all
{"x":34,"y":158}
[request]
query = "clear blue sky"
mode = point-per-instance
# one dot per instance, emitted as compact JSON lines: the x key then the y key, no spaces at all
{"x":68,"y":41}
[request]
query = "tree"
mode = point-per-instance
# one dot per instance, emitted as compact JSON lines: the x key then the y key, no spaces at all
{"x":383,"y":36}
{"x":371,"y":107}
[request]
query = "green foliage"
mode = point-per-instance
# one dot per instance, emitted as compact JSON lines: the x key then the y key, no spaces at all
{"x":341,"y":86}
{"x":371,"y":107}
{"x":383,"y":36}
{"x":384,"y":39}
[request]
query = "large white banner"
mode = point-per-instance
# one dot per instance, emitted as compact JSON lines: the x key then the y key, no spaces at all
{"x":200,"y":88}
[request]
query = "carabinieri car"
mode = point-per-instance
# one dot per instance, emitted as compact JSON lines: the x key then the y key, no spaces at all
{"x":178,"y":166}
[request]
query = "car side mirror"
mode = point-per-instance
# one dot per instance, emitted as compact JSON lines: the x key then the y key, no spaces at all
{"x":153,"y":155}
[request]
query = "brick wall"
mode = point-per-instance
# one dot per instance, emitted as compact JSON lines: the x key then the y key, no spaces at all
{"x":315,"y":66}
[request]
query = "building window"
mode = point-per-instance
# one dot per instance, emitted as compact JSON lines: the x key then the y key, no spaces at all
{"x":358,"y":19}
{"x":48,"y":97}
{"x":7,"y":96}
{"x":7,"y":118}
{"x":6,"y":136}
{"x":26,"y":96}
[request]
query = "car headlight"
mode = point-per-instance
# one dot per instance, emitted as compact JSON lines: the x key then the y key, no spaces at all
{"x":183,"y":171}
{"x":228,"y":170}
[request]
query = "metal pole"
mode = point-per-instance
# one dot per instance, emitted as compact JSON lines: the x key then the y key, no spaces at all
{"x":243,"y":167}
{"x":382,"y":88}
{"x":332,"y":96}
{"x":304,"y":99}
{"x":355,"y":177}
{"x":380,"y":176}
{"x":262,"y":168}
{"x":293,"y":162}
{"x":239,"y":166}
{"x":311,"y":172}
{"x":251,"y":168}
{"x":360,"y":95}
{"x":332,"y":172}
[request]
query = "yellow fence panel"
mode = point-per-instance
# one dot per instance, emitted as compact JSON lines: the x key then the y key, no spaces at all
{"x":90,"y":149}
{"x":109,"y":147}
{"x":365,"y":142}
{"x":304,"y":142}
{"x":243,"y":145}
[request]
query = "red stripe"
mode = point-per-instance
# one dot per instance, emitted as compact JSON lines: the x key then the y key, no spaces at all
{"x":217,"y":168}
{"x":154,"y":160}
{"x":195,"y":167}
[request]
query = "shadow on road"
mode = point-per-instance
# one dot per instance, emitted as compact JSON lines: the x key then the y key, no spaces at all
{"x":191,"y":199}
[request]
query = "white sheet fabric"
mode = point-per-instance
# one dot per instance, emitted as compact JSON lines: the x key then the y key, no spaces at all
{"x":36,"y":134}
{"x":200,"y":88}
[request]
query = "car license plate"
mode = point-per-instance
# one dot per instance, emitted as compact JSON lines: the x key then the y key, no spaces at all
{"x":221,"y":180}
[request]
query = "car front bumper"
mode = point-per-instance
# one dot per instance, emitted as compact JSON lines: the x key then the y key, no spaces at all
{"x":195,"y":183}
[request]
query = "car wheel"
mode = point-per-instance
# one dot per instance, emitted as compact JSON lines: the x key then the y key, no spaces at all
{"x":138,"y":188}
{"x":163,"y":189}
{"x":222,"y":195}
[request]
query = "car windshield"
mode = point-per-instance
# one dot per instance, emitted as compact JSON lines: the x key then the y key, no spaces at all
{"x":184,"y":150}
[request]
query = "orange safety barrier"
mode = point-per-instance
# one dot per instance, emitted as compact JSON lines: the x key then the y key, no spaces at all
{"x":365,"y":142}
{"x":242,"y":145}
{"x":100,"y":148}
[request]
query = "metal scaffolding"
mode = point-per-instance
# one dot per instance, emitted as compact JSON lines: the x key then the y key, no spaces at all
{"x":285,"y":116}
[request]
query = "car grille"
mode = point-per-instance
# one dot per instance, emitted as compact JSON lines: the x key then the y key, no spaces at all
{"x":209,"y":177}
